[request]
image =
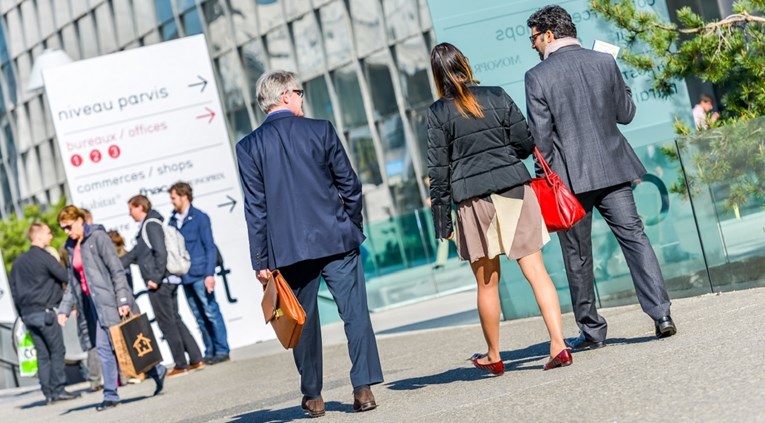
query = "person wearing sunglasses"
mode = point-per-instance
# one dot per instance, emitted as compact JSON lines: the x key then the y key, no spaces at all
{"x":303,"y":212}
{"x":576,"y":98}
{"x":99,"y":290}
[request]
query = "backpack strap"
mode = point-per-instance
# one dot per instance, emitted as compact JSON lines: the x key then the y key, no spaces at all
{"x":144,"y":236}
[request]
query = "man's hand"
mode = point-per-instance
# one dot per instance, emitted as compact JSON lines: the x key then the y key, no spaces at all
{"x":263,"y":276}
{"x":124,"y":310}
{"x":62,"y":319}
{"x":152,"y":285}
{"x":714,"y":117}
{"x":210,"y":284}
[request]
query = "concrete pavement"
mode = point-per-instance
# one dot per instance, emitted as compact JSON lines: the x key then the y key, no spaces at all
{"x":710,"y":371}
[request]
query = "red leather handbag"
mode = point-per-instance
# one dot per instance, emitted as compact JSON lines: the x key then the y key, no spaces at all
{"x":560,"y":208}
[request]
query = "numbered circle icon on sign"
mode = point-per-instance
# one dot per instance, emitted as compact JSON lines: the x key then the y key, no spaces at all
{"x":76,"y":160}
{"x":114,"y":151}
{"x":95,"y":156}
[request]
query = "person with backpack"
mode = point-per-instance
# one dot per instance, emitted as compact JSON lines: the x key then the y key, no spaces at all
{"x":151,"y":255}
{"x":199,"y":282}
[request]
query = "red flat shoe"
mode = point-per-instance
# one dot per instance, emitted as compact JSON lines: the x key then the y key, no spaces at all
{"x":498,"y":368}
{"x":563,"y":359}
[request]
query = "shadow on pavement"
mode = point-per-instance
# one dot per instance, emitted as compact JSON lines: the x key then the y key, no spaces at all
{"x":453,"y":375}
{"x":286,"y":414}
{"x":617,"y":341}
{"x":106,"y":412}
{"x":516,"y":358}
{"x":41,"y":403}
{"x":456,"y":319}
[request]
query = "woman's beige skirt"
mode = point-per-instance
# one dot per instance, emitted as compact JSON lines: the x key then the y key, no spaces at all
{"x":508,"y":223}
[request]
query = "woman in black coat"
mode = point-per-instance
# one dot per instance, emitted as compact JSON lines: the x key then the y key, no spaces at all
{"x":477,"y":138}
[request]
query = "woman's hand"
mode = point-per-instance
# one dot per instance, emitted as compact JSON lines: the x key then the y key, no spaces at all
{"x":62,"y":319}
{"x":451,"y":235}
{"x":124,"y":310}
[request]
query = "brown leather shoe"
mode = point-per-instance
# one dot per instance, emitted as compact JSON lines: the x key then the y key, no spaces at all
{"x":363,"y":400}
{"x":177,"y":372}
{"x":197,"y":366}
{"x":314,"y":406}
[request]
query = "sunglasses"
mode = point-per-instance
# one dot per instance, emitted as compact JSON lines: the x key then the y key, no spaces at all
{"x":298,"y":92}
{"x":533,"y":37}
{"x":67,"y":228}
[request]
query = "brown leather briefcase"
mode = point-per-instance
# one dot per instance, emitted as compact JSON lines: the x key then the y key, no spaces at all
{"x":283,"y":311}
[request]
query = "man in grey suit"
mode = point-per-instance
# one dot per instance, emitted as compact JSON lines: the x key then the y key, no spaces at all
{"x":575,"y":98}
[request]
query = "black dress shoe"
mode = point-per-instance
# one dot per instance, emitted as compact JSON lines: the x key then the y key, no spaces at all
{"x":665,"y":327}
{"x":581,"y":343}
{"x":63,"y":396}
{"x":160,"y":380}
{"x":106,"y":405}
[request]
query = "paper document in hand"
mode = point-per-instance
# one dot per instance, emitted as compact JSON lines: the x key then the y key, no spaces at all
{"x":605,"y":47}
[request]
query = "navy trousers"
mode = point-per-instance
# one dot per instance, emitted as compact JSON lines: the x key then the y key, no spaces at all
{"x":344,"y":276}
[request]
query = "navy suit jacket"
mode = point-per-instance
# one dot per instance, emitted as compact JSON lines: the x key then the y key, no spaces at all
{"x":302,"y":197}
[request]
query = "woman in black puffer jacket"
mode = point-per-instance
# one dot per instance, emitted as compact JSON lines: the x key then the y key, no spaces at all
{"x":477,"y":138}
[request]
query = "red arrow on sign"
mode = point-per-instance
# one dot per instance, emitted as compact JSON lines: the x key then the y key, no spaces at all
{"x":209,"y":114}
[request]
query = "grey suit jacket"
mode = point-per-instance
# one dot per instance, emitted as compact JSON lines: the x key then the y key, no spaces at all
{"x":574,"y":100}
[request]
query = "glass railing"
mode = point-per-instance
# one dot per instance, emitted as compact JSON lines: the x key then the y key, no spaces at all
{"x":725,"y":174}
{"x":702,"y":243}
{"x":403,"y":264}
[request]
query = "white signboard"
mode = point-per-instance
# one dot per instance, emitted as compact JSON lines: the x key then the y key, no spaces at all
{"x":7,"y":311}
{"x":137,"y":121}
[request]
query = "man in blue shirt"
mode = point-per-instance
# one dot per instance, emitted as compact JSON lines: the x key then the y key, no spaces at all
{"x":199,"y":282}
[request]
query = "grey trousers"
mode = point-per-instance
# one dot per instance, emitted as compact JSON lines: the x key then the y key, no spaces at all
{"x":617,"y":206}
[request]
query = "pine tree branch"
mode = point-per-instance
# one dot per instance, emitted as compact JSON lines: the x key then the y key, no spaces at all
{"x":713,"y":26}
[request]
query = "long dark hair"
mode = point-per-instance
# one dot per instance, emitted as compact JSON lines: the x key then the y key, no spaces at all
{"x":452,"y":73}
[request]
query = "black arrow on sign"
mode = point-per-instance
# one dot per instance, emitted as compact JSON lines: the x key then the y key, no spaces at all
{"x":231,"y":203}
{"x":203,"y":83}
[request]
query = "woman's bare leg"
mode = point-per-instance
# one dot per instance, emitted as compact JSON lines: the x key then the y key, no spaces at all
{"x":534,"y":269}
{"x":486,"y":273}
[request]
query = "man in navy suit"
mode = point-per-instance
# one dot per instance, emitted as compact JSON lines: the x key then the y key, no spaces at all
{"x":303,"y":211}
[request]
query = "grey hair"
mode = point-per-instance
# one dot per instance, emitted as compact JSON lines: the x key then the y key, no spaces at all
{"x":270,"y":87}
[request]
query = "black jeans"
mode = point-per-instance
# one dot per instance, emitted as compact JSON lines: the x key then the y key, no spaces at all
{"x":164,"y":301}
{"x":49,"y":343}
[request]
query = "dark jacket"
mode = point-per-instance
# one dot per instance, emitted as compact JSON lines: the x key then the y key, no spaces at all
{"x":36,"y":281}
{"x":106,"y":280}
{"x":575,"y":100}
{"x":151,"y":261}
{"x":197,"y":233}
{"x":302,"y":197}
{"x":469,"y":157}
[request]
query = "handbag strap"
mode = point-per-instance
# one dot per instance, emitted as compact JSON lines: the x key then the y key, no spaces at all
{"x":542,"y":163}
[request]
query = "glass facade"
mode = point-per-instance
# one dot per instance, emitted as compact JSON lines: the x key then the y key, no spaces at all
{"x":364,"y":65}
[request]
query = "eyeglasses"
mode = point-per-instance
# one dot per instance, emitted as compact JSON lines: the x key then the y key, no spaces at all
{"x":67,"y":228}
{"x":533,"y":37}
{"x":298,"y":92}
